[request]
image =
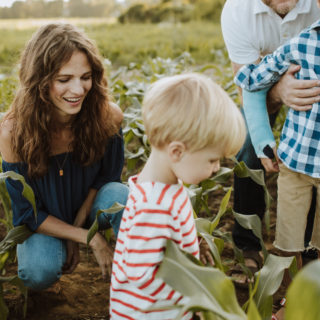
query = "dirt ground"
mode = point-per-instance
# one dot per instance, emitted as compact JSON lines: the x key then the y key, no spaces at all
{"x":84,"y":296}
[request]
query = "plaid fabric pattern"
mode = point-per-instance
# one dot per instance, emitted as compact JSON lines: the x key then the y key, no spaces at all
{"x":299,"y":146}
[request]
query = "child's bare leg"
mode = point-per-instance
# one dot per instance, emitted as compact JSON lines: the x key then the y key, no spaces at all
{"x":286,"y":278}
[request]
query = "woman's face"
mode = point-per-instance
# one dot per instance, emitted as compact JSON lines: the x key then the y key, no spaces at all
{"x":71,"y":85}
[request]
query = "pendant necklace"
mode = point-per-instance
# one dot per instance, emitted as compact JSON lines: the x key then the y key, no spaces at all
{"x":63,"y":163}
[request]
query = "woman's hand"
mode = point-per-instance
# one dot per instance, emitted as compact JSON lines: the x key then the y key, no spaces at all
{"x":73,"y":257}
{"x":103,"y":253}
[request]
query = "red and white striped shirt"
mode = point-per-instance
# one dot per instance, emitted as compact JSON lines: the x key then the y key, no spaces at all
{"x":155,"y":212}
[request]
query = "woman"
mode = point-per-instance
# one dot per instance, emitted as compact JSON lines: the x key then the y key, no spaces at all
{"x":62,"y":134}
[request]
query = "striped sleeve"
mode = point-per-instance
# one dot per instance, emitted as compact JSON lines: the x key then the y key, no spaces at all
{"x":146,"y":236}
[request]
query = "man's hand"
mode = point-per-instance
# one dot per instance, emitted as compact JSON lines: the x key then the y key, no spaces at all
{"x":296,"y":94}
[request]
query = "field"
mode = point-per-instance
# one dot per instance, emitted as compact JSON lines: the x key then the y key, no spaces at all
{"x":122,"y":44}
{"x":135,"y":56}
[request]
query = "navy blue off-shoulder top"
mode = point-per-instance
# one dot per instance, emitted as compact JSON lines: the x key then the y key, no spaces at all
{"x":62,"y":196}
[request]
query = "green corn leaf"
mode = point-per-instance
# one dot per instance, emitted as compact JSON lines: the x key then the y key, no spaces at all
{"x":203,"y":225}
{"x":271,"y":276}
{"x":222,"y":210}
{"x":3,"y":259}
{"x":214,"y":250}
{"x":207,"y":184}
{"x":242,"y":171}
{"x":116,"y":207}
{"x":27,"y":191}
{"x":15,"y":236}
{"x":253,"y":223}
{"x":206,"y":287}
{"x":6,"y":204}
{"x":223,"y":175}
{"x":304,"y":294}
{"x":219,"y":243}
{"x":253,"y":313}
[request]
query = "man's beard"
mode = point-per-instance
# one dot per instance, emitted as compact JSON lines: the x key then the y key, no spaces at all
{"x":281,"y":8}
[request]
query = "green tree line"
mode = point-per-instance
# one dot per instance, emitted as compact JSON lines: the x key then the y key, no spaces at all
{"x":60,"y":8}
{"x":143,"y":11}
{"x":173,"y":10}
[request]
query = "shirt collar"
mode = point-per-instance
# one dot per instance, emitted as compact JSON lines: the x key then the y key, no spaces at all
{"x":302,"y":6}
{"x":315,"y":25}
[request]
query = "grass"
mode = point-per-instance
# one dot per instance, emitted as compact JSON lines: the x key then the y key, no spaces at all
{"x":122,"y":44}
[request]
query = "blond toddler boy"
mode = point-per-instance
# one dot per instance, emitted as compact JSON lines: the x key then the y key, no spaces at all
{"x":191,"y":123}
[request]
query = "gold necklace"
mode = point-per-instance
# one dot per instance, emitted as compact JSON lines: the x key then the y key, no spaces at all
{"x":63,"y":163}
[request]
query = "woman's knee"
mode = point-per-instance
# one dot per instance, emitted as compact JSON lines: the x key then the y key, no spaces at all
{"x":108,"y":195}
{"x":39,"y":277}
{"x":40,"y":261}
{"x":113,"y":192}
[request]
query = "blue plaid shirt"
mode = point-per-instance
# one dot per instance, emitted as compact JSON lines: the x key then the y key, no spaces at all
{"x":299,"y":146}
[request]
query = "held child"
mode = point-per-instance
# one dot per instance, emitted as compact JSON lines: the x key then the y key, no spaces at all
{"x":191,"y":123}
{"x":298,"y":154}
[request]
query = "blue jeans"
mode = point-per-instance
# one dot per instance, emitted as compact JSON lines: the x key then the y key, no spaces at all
{"x":41,"y":257}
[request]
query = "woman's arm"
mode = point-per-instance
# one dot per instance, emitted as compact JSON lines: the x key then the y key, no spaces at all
{"x":85,"y":209}
{"x":73,"y":255}
{"x":57,"y":228}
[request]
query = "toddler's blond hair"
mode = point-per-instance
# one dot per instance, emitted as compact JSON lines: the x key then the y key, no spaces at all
{"x":192,"y":109}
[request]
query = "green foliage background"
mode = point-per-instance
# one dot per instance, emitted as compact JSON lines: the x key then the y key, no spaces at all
{"x":123,"y":44}
{"x":127,"y":11}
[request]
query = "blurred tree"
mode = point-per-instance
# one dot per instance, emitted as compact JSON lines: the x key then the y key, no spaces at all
{"x":17,"y":9}
{"x":77,"y":8}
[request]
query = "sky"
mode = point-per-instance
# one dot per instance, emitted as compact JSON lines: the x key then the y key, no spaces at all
{"x":6,"y":3}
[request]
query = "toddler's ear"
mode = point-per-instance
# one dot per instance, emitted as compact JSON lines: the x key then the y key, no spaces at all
{"x":176,"y":150}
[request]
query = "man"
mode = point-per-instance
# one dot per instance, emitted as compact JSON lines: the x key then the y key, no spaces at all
{"x":251,"y":29}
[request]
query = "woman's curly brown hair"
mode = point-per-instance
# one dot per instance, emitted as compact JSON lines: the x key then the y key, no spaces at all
{"x":32,"y":110}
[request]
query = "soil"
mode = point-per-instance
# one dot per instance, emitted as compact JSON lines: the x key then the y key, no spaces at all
{"x":83,"y":295}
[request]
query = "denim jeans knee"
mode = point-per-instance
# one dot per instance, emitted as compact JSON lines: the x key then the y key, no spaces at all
{"x":40,"y":261}
{"x":107,"y":195}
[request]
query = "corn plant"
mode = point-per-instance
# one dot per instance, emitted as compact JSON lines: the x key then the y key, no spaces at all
{"x":8,"y":244}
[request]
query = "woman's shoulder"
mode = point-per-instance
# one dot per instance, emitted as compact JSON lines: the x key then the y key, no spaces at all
{"x":117,"y":114}
{"x":6,"y":127}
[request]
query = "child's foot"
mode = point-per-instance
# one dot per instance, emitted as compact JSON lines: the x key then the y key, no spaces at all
{"x":279,"y":315}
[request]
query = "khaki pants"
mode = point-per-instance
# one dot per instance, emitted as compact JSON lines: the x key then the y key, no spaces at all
{"x":294,"y":200}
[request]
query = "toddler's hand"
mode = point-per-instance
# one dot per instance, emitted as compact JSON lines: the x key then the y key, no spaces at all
{"x":271,"y":164}
{"x":205,"y":253}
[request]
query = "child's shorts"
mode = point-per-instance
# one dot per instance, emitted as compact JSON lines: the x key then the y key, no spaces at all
{"x":294,"y":200}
